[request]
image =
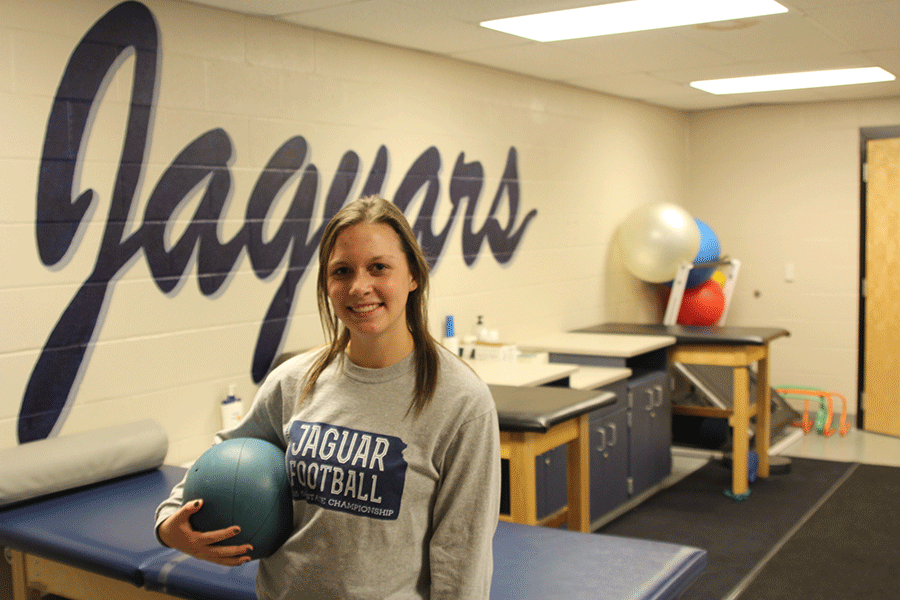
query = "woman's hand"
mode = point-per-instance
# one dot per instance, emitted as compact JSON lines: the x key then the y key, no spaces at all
{"x":176,"y":532}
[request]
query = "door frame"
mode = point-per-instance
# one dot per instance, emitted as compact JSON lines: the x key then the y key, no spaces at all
{"x":865,"y":135}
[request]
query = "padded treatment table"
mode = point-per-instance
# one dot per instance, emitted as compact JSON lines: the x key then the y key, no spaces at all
{"x":536,"y":563}
{"x":695,"y":334}
{"x":534,"y":420}
{"x":97,"y":543}
{"x":735,"y":347}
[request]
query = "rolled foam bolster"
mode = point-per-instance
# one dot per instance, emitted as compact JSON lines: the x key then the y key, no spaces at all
{"x":62,"y":463}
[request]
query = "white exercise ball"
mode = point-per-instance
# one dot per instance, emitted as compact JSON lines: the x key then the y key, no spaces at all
{"x":656,"y":239}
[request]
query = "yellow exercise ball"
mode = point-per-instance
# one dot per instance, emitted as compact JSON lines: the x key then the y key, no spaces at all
{"x":719,"y":277}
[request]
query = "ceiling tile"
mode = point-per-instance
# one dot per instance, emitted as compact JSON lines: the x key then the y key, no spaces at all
{"x":775,"y":37}
{"x":400,"y":25}
{"x":271,"y":7}
{"x":532,"y":58}
{"x":889,"y":60}
{"x":867,"y":26}
{"x":642,"y":52}
{"x":476,"y":11}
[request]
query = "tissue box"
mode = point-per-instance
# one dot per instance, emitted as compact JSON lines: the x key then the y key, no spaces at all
{"x":534,"y":358}
{"x":498,"y":352}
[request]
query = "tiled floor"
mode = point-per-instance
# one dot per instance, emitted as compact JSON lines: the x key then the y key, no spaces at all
{"x":857,"y":446}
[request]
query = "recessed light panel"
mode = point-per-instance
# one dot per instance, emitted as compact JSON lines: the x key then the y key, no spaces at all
{"x":793,"y":81}
{"x":634,"y":15}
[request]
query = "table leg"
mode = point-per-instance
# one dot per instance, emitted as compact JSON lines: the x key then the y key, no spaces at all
{"x":763,"y":414}
{"x":522,"y":480}
{"x":21,"y":591}
{"x":579,"y":478}
{"x":740,"y":421}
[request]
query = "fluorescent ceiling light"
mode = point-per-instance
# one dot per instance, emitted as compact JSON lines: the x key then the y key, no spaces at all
{"x":634,"y":15}
{"x":793,"y":81}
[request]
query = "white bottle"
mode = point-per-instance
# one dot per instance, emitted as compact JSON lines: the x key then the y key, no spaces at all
{"x":480,"y":331}
{"x":232,"y":409}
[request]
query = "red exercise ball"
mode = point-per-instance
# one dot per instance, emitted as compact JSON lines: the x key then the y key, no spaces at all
{"x":702,"y":305}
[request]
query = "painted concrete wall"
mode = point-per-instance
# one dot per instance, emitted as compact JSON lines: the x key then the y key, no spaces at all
{"x":206,"y":133}
{"x":780,"y":185}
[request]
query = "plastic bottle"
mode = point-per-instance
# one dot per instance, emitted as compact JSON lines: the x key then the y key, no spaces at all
{"x":232,"y":409}
{"x":450,"y":342}
{"x":480,"y":331}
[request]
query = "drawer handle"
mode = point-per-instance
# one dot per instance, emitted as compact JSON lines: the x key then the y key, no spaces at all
{"x":615,"y":437}
{"x":602,"y":445}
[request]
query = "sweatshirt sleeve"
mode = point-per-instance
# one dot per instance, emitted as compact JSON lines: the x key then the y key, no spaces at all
{"x":466,"y":512}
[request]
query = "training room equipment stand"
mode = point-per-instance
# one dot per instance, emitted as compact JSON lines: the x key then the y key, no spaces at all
{"x":735,"y":347}
{"x":679,"y":284}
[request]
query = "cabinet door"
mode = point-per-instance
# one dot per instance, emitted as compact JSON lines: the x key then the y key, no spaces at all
{"x":662,"y":430}
{"x":552,"y":491}
{"x":651,"y":431}
{"x":609,"y":462}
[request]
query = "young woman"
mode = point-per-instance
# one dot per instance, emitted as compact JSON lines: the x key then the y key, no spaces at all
{"x":392,"y":443}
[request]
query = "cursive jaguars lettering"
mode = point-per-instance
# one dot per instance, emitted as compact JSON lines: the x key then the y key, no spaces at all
{"x":202,"y":169}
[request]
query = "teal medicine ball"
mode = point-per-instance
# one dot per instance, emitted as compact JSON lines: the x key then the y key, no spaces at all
{"x":243,"y":482}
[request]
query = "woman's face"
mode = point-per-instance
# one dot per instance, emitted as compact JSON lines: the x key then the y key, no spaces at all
{"x":368,"y":284}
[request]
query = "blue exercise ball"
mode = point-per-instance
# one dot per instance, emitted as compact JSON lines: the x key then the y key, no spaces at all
{"x":244,"y":482}
{"x":708,"y":252}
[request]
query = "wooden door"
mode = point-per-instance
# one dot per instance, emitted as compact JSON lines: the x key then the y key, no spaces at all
{"x":881,"y":363}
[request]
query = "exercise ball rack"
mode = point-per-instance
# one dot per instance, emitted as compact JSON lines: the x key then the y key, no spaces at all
{"x":680,"y":283}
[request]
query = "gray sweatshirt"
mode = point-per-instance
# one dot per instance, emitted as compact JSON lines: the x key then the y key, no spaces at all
{"x":387,"y":505}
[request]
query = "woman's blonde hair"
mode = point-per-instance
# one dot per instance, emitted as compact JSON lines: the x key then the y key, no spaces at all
{"x":374,"y":209}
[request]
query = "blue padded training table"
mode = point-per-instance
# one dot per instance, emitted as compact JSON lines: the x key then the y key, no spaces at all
{"x":97,"y":543}
{"x":534,"y":420}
